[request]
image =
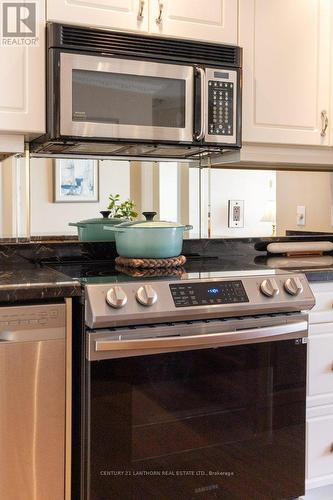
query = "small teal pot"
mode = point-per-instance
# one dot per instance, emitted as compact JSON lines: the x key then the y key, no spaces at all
{"x":149,"y":239}
{"x":93,"y":229}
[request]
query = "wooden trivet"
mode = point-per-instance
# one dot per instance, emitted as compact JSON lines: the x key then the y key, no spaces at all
{"x":151,"y":263}
{"x":150,"y":272}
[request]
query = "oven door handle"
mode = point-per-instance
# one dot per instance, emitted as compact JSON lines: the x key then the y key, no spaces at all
{"x":136,"y":347}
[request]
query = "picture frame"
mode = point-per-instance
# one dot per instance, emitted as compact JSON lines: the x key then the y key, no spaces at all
{"x":75,"y":180}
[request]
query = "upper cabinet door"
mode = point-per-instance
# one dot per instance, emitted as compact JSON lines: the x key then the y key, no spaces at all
{"x":127,"y":15}
{"x":286,"y":70}
{"x":208,"y":20}
{"x":22,"y":58}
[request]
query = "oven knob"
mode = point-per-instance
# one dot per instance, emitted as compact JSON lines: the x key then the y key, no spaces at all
{"x":146,"y":295}
{"x":269,"y":288}
{"x":293,"y":286}
{"x":116,"y":297}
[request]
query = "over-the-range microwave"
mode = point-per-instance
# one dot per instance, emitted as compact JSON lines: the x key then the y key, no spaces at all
{"x":131,"y":95}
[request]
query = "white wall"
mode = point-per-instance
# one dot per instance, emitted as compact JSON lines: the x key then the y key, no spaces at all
{"x":179,"y":196}
{"x":254,"y":187}
{"x":168,"y":190}
{"x":48,"y":218}
{"x":9,"y":197}
{"x":310,"y":189}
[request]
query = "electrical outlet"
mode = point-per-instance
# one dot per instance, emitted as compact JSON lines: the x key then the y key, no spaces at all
{"x":300,"y":215}
{"x":236,"y":213}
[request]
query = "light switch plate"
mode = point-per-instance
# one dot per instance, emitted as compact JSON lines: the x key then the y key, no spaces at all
{"x":300,"y":215}
{"x":236,"y":213}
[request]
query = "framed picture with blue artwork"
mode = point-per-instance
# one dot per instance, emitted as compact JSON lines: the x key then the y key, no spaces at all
{"x":75,"y":181}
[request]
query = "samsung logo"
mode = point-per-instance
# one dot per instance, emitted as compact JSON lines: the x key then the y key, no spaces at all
{"x":204,"y":489}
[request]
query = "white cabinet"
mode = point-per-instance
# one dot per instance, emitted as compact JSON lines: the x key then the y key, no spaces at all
{"x":320,"y":392}
{"x":286,"y":70}
{"x":123,"y":15}
{"x":319,"y":446}
{"x":22,"y":82}
{"x":320,"y":360}
{"x":211,"y":20}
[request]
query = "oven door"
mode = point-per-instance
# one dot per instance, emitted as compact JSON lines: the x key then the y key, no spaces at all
{"x":106,"y":97}
{"x":171,"y":415}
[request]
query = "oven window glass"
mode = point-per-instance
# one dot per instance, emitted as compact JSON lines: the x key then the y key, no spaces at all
{"x":125,"y":99}
{"x":212,"y":423}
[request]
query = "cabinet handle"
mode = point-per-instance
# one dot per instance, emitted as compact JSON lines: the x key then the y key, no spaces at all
{"x":331,"y":448}
{"x":141,"y":7}
{"x":324,"y":123}
{"x":160,"y":13}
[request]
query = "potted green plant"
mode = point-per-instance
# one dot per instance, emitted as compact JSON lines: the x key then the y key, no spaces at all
{"x":124,"y":210}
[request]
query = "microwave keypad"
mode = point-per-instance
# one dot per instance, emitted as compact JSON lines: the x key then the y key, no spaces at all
{"x":220,"y":107}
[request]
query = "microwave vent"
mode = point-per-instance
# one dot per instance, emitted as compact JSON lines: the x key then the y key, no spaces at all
{"x":142,"y":46}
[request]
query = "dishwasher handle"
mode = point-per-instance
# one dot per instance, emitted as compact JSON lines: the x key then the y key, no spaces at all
{"x":103,"y":348}
{"x":30,"y":335}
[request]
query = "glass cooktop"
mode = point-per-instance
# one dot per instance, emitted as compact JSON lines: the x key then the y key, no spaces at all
{"x":91,"y":272}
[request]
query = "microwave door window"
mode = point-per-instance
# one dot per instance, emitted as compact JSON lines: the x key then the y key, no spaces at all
{"x":125,"y":99}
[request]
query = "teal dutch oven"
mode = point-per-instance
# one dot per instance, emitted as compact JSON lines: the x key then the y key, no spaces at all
{"x":148,"y":239}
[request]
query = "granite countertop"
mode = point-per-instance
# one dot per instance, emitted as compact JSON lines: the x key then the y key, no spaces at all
{"x":50,"y":270}
{"x":21,"y":281}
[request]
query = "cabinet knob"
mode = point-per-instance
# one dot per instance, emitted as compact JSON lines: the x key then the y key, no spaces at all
{"x":116,"y":297}
{"x":160,"y":13}
{"x":146,"y":295}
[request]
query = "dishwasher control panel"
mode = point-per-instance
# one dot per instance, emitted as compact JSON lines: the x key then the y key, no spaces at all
{"x":31,"y":317}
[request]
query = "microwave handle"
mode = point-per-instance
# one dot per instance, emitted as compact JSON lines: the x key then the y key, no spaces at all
{"x":201,"y":134}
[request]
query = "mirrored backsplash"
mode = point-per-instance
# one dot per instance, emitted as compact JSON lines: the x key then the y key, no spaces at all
{"x":218,"y":203}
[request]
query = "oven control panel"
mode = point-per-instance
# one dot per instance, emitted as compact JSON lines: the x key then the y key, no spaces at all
{"x":206,"y":294}
{"x":141,"y":302}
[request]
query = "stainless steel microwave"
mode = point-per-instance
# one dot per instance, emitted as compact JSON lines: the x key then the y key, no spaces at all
{"x":121,"y":94}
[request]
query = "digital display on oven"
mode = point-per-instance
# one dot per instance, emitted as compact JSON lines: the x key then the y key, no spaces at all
{"x":205,"y":294}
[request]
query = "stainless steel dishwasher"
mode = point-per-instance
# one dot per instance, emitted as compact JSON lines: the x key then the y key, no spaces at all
{"x":32,"y":402}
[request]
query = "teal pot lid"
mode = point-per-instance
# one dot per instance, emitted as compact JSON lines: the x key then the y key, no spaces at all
{"x":145,"y":224}
{"x":101,"y":220}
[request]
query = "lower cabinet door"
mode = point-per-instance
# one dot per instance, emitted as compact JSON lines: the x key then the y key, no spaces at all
{"x":319,"y":447}
{"x":320,"y":372}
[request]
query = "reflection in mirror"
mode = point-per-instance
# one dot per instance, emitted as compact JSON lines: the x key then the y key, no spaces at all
{"x":169,"y":189}
{"x":218,"y":203}
{"x":258,"y":203}
{"x":304,"y":192}
{"x":14,"y":215}
{"x":242,"y":203}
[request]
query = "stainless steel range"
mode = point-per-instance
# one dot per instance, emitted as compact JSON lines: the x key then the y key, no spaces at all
{"x":195,"y":387}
